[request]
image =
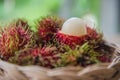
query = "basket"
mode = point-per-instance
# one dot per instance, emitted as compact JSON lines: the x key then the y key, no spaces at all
{"x":103,"y":71}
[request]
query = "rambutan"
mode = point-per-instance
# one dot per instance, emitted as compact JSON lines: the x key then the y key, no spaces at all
{"x":46,"y":56}
{"x":75,"y":32}
{"x":69,"y":40}
{"x":48,"y":26}
{"x":92,"y":33}
{"x":22,"y":57}
{"x":14,"y":37}
{"x":72,"y":41}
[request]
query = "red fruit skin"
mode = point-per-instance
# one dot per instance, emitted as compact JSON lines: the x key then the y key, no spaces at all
{"x":72,"y":41}
{"x":104,"y":58}
{"x":91,"y":33}
{"x":24,"y":36}
{"x":46,"y":55}
{"x":48,"y":27}
{"x":13,"y":38}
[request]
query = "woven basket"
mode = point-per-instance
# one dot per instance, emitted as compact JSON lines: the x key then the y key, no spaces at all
{"x":103,"y":71}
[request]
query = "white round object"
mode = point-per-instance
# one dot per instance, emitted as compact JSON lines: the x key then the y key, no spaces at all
{"x":74,"y":26}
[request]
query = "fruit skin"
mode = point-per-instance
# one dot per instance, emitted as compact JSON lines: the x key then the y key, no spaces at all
{"x":46,"y":56}
{"x":104,"y":58}
{"x":92,"y":34}
{"x":14,"y":37}
{"x":22,"y":57}
{"x":69,"y":40}
{"x":72,"y":41}
{"x":47,"y":27}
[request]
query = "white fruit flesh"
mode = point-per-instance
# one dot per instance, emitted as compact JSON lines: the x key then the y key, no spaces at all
{"x":74,"y":27}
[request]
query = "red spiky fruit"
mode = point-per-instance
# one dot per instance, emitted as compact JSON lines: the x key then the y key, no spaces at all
{"x":14,"y":37}
{"x":72,"y":41}
{"x":104,"y":58}
{"x":48,"y":56}
{"x":22,"y":57}
{"x":48,"y":26}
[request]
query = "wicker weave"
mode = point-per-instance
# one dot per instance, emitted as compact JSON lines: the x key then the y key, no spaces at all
{"x":104,"y":71}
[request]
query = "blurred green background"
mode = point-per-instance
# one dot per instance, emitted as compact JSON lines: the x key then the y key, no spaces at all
{"x":33,"y":9}
{"x":106,"y":12}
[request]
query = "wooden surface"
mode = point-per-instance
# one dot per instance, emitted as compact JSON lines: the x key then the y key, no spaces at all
{"x":95,"y":72}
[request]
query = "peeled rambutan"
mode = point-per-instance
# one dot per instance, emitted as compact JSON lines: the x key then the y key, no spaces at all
{"x":75,"y":32}
{"x":14,"y":37}
{"x":48,"y":26}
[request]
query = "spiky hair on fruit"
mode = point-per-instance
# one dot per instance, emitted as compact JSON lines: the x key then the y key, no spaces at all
{"x":89,"y":53}
{"x":48,"y":26}
{"x":14,"y":37}
{"x":46,"y":56}
{"x":72,"y":41}
{"x":22,"y":57}
{"x":21,"y":22}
